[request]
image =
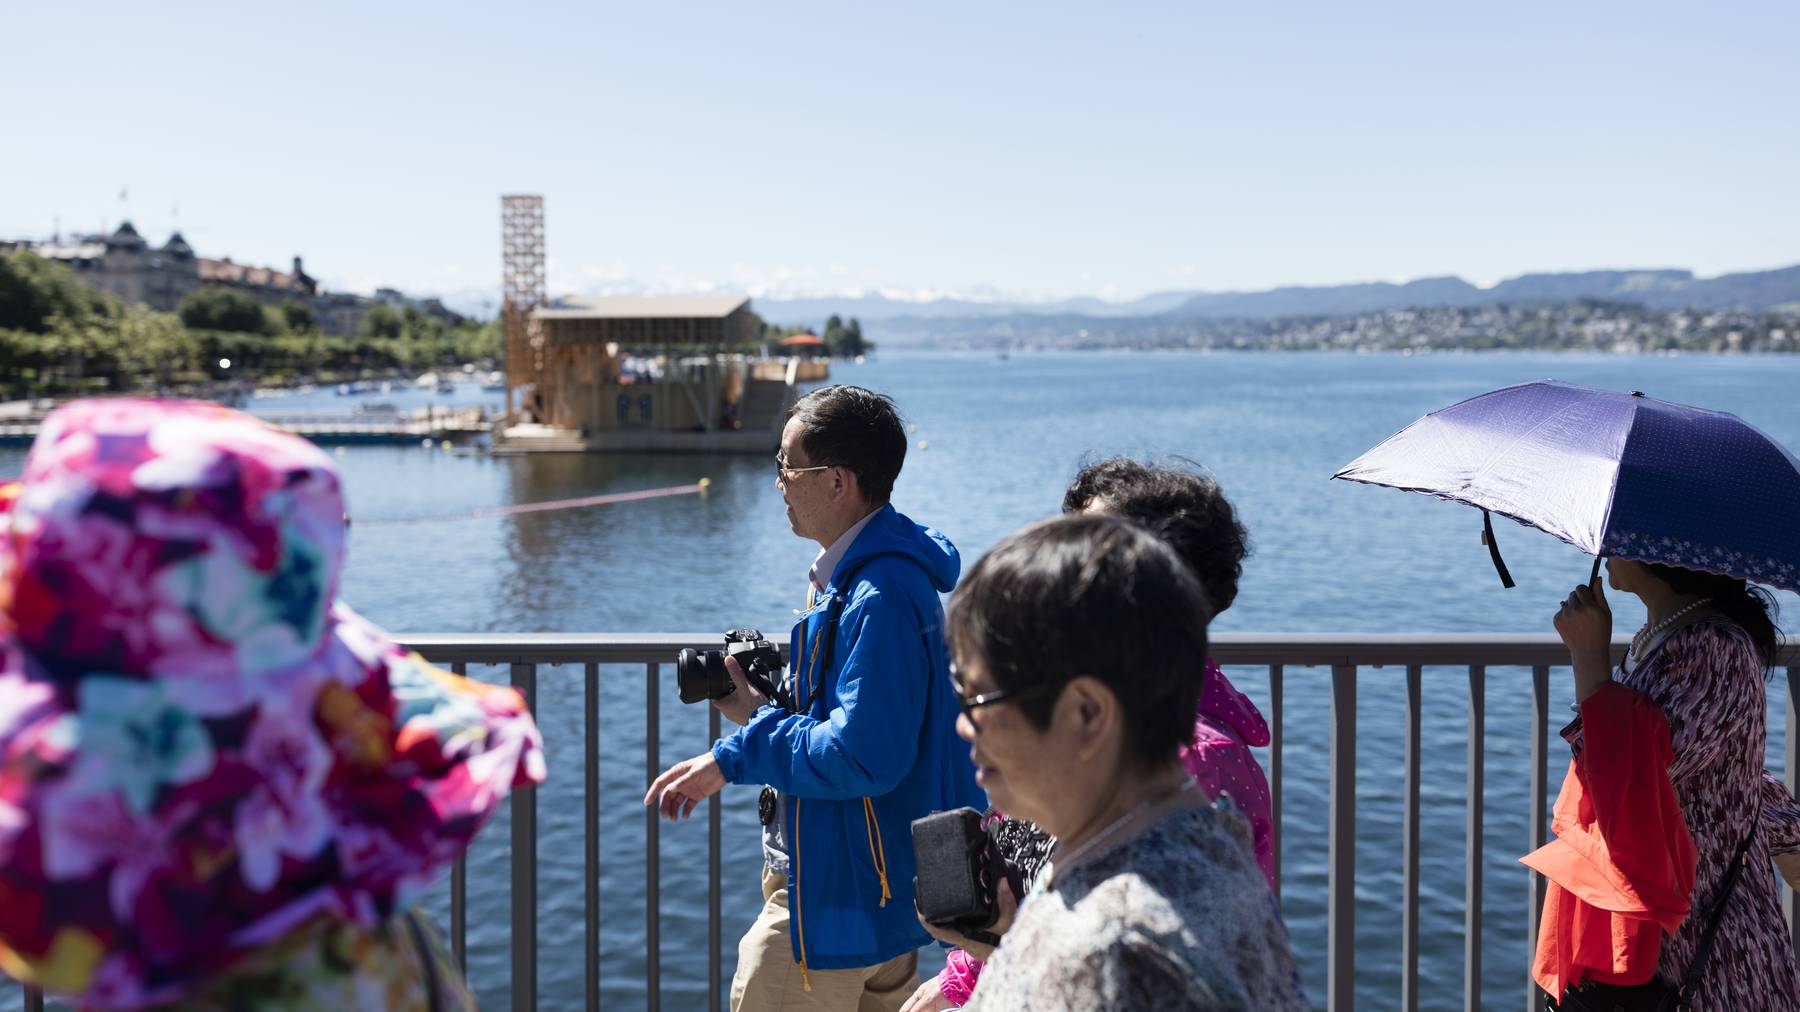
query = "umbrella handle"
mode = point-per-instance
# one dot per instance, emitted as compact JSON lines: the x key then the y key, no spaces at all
{"x":1595,"y":575}
{"x":1487,"y":538}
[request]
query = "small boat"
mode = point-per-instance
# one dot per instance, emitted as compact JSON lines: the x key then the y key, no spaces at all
{"x":446,"y":386}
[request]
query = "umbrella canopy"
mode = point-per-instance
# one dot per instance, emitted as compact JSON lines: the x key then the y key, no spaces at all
{"x":1614,"y":474}
{"x":802,"y":341}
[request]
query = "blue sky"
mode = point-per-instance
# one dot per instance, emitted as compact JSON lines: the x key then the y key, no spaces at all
{"x":1029,"y":150}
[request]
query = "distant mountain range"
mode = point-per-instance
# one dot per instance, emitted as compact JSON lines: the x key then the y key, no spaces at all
{"x":1662,"y":289}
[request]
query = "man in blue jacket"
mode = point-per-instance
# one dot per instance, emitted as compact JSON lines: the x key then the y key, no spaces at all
{"x":870,"y":744}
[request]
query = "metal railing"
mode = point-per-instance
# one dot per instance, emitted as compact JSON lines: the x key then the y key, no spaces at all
{"x":1344,"y":656}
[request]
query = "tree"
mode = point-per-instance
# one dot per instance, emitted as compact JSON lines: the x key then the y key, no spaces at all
{"x":379,"y":322}
{"x":298,"y":316}
{"x":834,"y":332}
{"x":214,"y":307}
{"x":854,"y":344}
{"x":34,"y":290}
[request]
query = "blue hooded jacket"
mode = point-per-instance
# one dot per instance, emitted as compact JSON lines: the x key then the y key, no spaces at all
{"x":876,"y":749}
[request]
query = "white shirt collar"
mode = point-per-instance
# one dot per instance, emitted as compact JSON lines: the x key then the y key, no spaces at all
{"x":828,"y":559}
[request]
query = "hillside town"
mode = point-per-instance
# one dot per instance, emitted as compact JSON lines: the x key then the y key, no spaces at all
{"x":1580,"y":325}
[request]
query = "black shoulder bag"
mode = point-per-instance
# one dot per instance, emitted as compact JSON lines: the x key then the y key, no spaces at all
{"x":1655,"y":996}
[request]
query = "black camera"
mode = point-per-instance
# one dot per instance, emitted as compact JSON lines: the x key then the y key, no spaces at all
{"x":959,"y":871}
{"x":701,"y":674}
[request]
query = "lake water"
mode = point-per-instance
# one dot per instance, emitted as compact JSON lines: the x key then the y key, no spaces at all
{"x":996,"y":442}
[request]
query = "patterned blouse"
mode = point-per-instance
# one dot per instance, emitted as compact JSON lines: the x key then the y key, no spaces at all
{"x":1178,"y":917}
{"x":333,"y":965}
{"x":1708,"y":681}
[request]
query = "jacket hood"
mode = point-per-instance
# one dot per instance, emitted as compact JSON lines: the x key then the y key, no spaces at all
{"x":891,"y":532}
{"x":1222,"y":705}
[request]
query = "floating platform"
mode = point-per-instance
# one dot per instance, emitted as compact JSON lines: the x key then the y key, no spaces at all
{"x":528,"y":438}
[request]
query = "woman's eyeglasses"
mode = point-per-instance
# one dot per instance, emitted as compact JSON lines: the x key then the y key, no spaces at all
{"x":970,"y":704}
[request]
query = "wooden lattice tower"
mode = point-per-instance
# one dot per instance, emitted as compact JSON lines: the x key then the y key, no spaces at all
{"x":523,"y":290}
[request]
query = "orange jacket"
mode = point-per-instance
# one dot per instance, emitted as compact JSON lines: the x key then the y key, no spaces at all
{"x":1621,"y":868}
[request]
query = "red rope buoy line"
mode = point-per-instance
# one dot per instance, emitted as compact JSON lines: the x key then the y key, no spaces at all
{"x":545,"y":507}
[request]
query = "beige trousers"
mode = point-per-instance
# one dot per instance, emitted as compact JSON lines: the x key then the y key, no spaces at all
{"x":768,"y":978}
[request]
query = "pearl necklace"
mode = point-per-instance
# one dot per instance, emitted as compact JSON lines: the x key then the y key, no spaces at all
{"x":1069,"y":859}
{"x":1648,"y":634}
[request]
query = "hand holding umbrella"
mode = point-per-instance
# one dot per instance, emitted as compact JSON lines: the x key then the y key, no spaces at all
{"x":1585,"y":624}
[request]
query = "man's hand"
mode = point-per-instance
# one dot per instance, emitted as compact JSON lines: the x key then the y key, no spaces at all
{"x":686,"y":784}
{"x":743,"y":703}
{"x":1585,"y":624}
{"x":1009,"y":905}
{"x":927,"y":999}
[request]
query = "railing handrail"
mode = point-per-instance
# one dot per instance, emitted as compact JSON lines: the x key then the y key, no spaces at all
{"x":1325,"y":649}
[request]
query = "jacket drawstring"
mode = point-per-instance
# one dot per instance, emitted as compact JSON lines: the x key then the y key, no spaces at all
{"x":799,"y":918}
{"x":876,"y":851}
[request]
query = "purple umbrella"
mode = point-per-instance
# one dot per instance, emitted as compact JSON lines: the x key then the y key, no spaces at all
{"x":1613,"y":474}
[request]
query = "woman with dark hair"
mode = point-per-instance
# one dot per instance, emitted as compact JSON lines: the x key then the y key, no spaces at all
{"x":1700,"y":663}
{"x":1187,"y":511}
{"x":1073,"y":642}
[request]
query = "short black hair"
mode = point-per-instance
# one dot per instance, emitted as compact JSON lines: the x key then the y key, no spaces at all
{"x":857,"y":429}
{"x":1180,"y":505}
{"x":1090,"y":595}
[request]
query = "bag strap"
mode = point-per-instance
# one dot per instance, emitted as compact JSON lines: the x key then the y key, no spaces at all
{"x":833,"y":611}
{"x":1697,"y":968}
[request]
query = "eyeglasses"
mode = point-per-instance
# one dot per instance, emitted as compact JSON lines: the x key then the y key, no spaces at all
{"x":785,"y":473}
{"x":970,"y":704}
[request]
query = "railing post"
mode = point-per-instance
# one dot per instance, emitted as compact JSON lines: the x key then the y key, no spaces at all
{"x":1540,"y":782}
{"x":1275,"y":679}
{"x":652,"y":837}
{"x":1409,"y":845}
{"x":1472,"y":845}
{"x":1341,"y":905}
{"x":714,"y":889}
{"x":524,"y":868}
{"x":590,"y":832}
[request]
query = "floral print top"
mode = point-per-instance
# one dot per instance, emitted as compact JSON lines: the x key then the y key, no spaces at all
{"x":333,"y":965}
{"x":201,"y":751}
{"x":1708,"y":681}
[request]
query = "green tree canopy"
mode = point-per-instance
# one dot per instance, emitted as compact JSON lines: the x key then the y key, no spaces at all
{"x":215,"y":307}
{"x":380,"y":321}
{"x":847,"y":341}
{"x":34,"y":290}
{"x":298,"y":316}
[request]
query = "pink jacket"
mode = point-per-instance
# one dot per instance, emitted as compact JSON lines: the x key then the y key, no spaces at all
{"x":1227,"y":727}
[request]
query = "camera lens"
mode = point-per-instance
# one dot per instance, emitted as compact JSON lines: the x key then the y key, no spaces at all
{"x":701,"y":674}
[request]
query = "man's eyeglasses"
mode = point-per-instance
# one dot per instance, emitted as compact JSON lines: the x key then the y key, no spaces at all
{"x":785,"y":473}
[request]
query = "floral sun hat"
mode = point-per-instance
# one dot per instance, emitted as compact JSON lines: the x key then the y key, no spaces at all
{"x":200,"y":749}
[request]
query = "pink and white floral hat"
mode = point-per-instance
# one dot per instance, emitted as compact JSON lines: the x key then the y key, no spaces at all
{"x":200,"y":748}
